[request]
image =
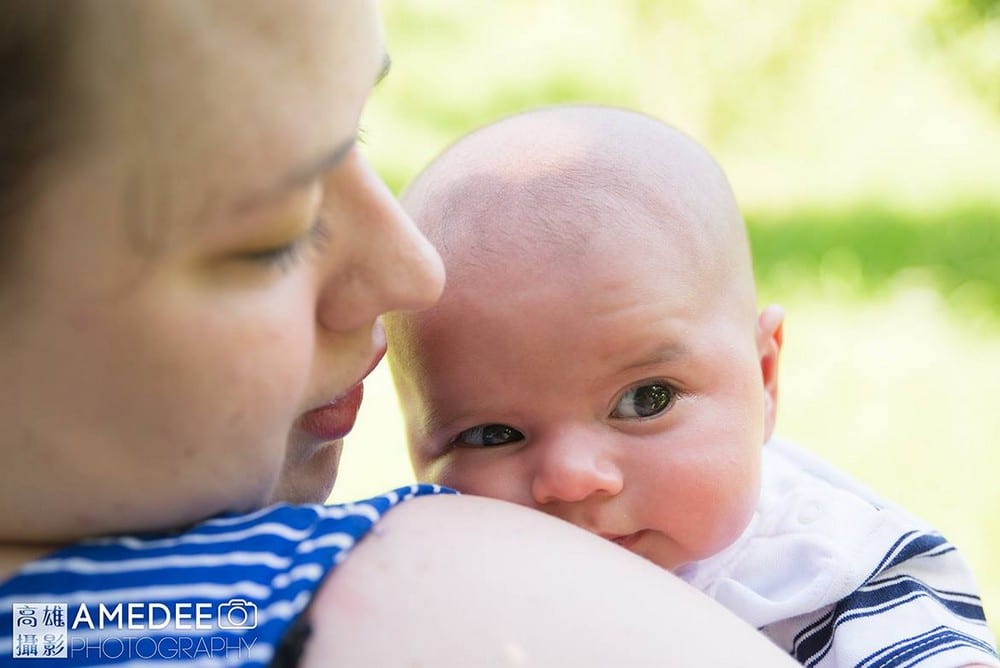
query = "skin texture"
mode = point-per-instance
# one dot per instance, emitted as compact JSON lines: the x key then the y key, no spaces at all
{"x":626,"y":279}
{"x":160,"y":345}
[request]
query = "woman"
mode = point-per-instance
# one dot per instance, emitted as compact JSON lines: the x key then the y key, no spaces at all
{"x":197,"y":256}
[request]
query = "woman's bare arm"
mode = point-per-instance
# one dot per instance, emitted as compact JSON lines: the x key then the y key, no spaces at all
{"x":466,"y":581}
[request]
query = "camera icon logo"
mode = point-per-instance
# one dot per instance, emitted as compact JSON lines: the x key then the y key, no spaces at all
{"x":237,"y":613}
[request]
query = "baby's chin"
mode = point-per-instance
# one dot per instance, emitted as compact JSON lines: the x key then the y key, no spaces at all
{"x":309,"y":479}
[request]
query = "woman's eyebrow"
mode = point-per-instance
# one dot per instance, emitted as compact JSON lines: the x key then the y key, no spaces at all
{"x":309,"y":172}
{"x":298,"y":177}
{"x":305,"y":174}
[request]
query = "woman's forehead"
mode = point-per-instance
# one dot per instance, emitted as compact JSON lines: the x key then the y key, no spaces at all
{"x":224,"y":99}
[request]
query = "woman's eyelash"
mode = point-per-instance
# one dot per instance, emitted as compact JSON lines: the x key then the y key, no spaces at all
{"x":287,"y":256}
{"x":362,"y":134}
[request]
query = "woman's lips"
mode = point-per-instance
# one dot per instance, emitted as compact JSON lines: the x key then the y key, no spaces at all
{"x":336,"y":419}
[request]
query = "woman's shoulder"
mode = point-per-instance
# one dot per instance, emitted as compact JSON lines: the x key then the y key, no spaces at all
{"x":529,"y":588}
{"x":242,"y":577}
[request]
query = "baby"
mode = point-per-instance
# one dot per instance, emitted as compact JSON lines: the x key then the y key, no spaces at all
{"x":598,"y":355}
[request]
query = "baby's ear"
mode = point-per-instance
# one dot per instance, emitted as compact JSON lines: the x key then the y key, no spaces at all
{"x":769,"y":338}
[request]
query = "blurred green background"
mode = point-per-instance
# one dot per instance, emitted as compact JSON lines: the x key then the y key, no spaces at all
{"x":863,"y":142}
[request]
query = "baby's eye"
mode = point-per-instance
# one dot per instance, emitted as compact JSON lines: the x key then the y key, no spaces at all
{"x":488,"y":435}
{"x":644,"y":401}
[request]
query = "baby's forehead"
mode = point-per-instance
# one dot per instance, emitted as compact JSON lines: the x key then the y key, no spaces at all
{"x":569,"y":211}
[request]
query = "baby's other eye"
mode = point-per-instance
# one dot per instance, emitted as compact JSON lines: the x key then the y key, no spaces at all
{"x":488,"y":435}
{"x":644,"y":401}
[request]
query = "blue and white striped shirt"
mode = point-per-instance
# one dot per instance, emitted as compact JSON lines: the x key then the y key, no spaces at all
{"x":220,"y":594}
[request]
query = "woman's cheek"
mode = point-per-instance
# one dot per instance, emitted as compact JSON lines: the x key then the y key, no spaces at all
{"x":270,"y":375}
{"x":248,"y":375}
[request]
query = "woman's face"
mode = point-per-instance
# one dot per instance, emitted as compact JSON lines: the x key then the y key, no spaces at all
{"x":198,"y":283}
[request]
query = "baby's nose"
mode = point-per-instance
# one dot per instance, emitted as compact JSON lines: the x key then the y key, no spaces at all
{"x":573,"y":467}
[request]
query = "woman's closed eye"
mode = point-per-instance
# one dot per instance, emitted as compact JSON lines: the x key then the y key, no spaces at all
{"x":487,"y":435}
{"x":644,"y":401}
{"x":287,"y":255}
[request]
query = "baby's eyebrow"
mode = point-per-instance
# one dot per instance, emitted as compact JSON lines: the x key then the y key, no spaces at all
{"x":662,"y":355}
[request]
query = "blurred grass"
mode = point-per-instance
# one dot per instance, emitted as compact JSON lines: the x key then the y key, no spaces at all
{"x":866,"y":248}
{"x":863,"y":142}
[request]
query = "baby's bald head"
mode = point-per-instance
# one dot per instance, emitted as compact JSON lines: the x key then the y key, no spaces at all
{"x":596,"y":351}
{"x":550,"y":184}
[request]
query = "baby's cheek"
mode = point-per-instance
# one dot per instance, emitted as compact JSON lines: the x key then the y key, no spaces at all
{"x":734,"y":511}
{"x":479,"y":475}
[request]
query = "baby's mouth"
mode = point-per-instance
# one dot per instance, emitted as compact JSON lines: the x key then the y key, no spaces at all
{"x":627,"y":541}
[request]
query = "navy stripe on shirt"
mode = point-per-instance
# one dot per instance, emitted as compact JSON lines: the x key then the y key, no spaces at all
{"x":876,"y":597}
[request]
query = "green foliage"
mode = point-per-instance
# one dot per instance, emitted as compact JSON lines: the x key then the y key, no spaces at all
{"x":978,"y":10}
{"x":826,"y":102}
{"x":967,"y":39}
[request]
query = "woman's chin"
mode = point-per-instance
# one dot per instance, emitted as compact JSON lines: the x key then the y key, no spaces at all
{"x":310,"y":480}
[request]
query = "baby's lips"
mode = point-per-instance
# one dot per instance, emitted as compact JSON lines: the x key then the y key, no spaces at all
{"x":625,"y":540}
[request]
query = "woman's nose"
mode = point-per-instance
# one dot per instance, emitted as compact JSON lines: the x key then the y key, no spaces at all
{"x":380,"y":261}
{"x":573,"y":467}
